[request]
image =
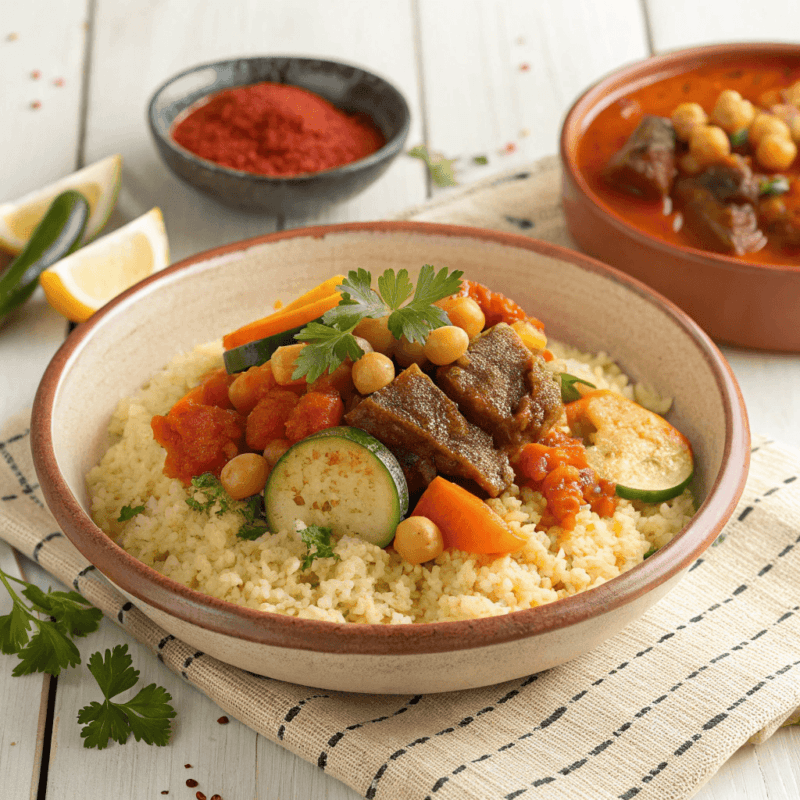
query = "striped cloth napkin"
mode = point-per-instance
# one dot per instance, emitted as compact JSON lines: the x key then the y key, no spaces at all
{"x":652,"y":713}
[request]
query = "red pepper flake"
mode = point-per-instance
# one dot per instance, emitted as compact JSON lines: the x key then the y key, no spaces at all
{"x":58,"y":82}
{"x":524,"y":67}
{"x":200,"y":796}
{"x":223,"y":720}
{"x":191,"y":783}
{"x":35,"y":104}
{"x":36,"y":74}
{"x":509,"y":148}
{"x":188,"y":766}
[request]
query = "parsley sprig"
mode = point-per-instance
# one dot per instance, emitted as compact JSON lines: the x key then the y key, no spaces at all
{"x":146,"y":715}
{"x":254,"y":524}
{"x":50,"y":649}
{"x":320,"y":539}
{"x":411,"y":311}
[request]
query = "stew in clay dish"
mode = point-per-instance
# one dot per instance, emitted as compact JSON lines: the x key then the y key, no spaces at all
{"x":706,"y":158}
{"x":392,"y":454}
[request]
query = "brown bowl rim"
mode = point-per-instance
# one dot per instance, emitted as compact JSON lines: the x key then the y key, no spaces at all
{"x":638,"y":72}
{"x":171,"y":597}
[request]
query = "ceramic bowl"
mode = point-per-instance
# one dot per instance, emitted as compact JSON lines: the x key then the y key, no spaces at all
{"x":736,"y":301}
{"x":580,"y":300}
{"x":347,"y":87}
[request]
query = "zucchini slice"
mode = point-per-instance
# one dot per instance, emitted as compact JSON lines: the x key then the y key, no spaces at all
{"x":642,"y":453}
{"x":341,"y":478}
{"x":253,"y":354}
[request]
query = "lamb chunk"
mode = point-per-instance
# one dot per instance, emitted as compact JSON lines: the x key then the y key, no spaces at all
{"x":418,"y":471}
{"x":731,"y":181}
{"x":724,"y":227}
{"x":645,"y":165}
{"x":781,"y":220}
{"x":501,"y":387}
{"x":414,"y":415}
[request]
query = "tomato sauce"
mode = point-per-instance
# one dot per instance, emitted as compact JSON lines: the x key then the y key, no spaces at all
{"x":754,"y":79}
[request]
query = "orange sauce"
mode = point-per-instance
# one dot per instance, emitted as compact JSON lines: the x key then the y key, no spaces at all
{"x":612,"y":126}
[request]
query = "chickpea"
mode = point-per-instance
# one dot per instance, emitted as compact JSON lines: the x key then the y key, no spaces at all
{"x":686,"y":117}
{"x":732,"y":112}
{"x":688,"y":164}
{"x":408,"y":353}
{"x":765,"y":124}
{"x":465,"y":313}
{"x":418,"y":539}
{"x":283,"y":364}
{"x":775,"y":152}
{"x":793,"y":94}
{"x":371,"y":372}
{"x":447,"y":344}
{"x":377,"y":333}
{"x":275,"y":449}
{"x":709,"y":144}
{"x":791,"y":116}
{"x":244,"y":475}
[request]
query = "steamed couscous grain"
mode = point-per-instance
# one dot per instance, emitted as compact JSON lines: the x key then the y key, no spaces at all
{"x":366,"y":584}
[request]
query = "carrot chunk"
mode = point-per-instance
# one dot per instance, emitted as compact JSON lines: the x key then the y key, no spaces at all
{"x":267,"y":421}
{"x":466,"y":522}
{"x":314,"y":412}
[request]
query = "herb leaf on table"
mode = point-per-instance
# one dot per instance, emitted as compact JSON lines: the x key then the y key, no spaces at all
{"x":146,"y":715}
{"x":50,"y":649}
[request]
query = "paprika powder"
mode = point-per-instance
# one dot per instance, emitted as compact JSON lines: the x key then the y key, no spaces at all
{"x":275,"y":129}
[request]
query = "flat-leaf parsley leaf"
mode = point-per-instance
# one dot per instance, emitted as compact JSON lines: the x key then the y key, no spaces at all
{"x":129,"y":512}
{"x":320,"y":539}
{"x":146,"y":715}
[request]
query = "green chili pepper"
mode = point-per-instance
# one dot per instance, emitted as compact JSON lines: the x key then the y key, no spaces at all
{"x":57,"y":235}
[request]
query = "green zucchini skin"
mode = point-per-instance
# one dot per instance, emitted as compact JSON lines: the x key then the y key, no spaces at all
{"x":653,"y":495}
{"x":355,"y":470}
{"x":57,"y":235}
{"x":254,"y":354}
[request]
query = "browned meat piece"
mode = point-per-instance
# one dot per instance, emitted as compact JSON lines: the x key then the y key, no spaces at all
{"x":414,"y":415}
{"x":781,"y":220}
{"x":645,"y":165}
{"x":724,"y":227}
{"x":502,"y":388}
{"x":731,"y":182}
{"x":418,"y":472}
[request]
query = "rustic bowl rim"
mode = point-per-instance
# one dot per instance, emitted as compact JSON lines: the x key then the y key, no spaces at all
{"x":638,"y":73}
{"x":173,"y":598}
{"x":386,"y":152}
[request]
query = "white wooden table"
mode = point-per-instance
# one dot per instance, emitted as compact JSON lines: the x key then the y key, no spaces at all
{"x":460,"y":63}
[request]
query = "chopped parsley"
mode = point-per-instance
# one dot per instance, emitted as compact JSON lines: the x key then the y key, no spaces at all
{"x":129,"y":512}
{"x":320,"y":539}
{"x":410,"y":309}
{"x":254,"y":524}
{"x":778,"y":184}
{"x":441,"y":169}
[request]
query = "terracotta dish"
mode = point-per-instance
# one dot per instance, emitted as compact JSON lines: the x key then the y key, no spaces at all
{"x":749,"y":300}
{"x":580,"y":300}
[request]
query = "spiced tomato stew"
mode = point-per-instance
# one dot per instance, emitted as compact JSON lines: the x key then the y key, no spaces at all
{"x":381,"y":450}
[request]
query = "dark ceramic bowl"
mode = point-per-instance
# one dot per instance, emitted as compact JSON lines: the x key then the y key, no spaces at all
{"x":202,"y":298}
{"x":736,"y":300}
{"x":349,"y":88}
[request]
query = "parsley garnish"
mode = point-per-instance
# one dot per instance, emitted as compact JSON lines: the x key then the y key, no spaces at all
{"x":410,"y":310}
{"x":50,"y":649}
{"x":441,"y":169}
{"x":778,"y":184}
{"x":254,"y":523}
{"x":650,"y":552}
{"x":738,"y":138}
{"x":320,"y":539}
{"x":129,"y":512}
{"x":146,"y":715}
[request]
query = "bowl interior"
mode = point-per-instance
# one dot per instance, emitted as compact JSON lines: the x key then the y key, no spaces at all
{"x":581,"y":303}
{"x":348,"y":87}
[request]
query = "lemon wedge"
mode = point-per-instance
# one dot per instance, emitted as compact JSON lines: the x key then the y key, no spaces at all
{"x":82,"y":282}
{"x":98,"y":183}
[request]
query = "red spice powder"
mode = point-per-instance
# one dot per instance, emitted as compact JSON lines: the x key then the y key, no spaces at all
{"x":273,"y":129}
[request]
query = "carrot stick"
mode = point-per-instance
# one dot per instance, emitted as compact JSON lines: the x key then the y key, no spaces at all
{"x":466,"y":522}
{"x":325,"y":289}
{"x":281,"y":321}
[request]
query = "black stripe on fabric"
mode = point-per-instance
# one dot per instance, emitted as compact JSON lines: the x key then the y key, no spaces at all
{"x":40,"y":544}
{"x":696,"y":564}
{"x":523,"y":223}
{"x":26,"y":487}
{"x":744,"y":513}
{"x":322,"y":759}
{"x":81,"y":574}
{"x":121,"y":614}
{"x":713,"y":722}
{"x":9,"y":497}
{"x":295,"y":710}
{"x":790,"y":480}
{"x":188,"y":663}
{"x":161,"y":645}
{"x":17,"y":437}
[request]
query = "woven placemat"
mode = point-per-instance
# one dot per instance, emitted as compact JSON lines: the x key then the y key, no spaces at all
{"x":652,"y":713}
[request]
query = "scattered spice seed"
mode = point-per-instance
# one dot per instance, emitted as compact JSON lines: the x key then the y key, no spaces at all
{"x":58,"y":82}
{"x":188,"y":766}
{"x":165,"y":791}
{"x":520,"y":40}
{"x":524,"y":67}
{"x":35,"y":104}
{"x":215,"y":797}
{"x":191,"y":783}
{"x":200,"y":796}
{"x":12,"y":37}
{"x":35,"y":74}
{"x":524,"y":132}
{"x":509,"y":148}
{"x":223,"y":720}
